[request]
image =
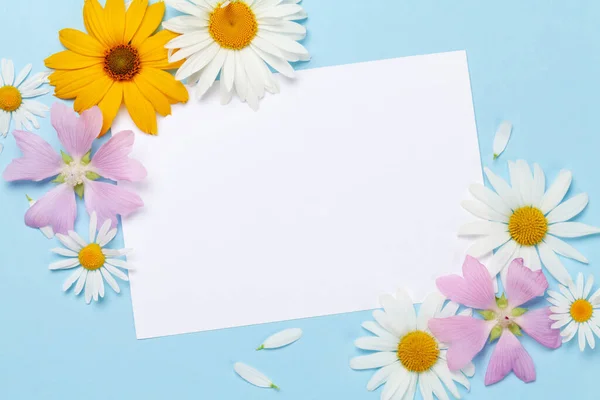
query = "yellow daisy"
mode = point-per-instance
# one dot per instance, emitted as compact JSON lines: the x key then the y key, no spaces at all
{"x":118,"y":60}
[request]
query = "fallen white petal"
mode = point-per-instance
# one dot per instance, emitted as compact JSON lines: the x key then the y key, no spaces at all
{"x":253,"y":376}
{"x":281,"y":339}
{"x":501,"y":138}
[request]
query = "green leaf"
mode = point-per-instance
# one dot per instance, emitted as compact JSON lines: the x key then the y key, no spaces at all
{"x":92,"y":175}
{"x":65,"y":157}
{"x":488,"y":315}
{"x":79,"y":190}
{"x":86,"y":158}
{"x":59,"y":179}
{"x":502,"y":302}
{"x":517,"y":312}
{"x":514,"y":328}
{"x":496,"y":332}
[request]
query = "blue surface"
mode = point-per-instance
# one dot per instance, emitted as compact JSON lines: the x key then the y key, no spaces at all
{"x":534,"y":63}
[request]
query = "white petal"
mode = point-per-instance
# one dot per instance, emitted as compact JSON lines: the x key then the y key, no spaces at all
{"x":64,"y":264}
{"x":116,"y":252}
{"x":8,"y":72}
{"x":93,"y":227}
{"x":398,"y":383}
{"x":579,"y":286}
{"x":588,"y":286}
{"x":110,"y":280}
{"x":96,"y":291}
{"x":284,"y":43}
{"x":376,"y":329}
{"x":279,"y":64}
{"x":483,"y":211}
{"x":210,"y":72}
{"x":503,"y":189}
{"x":491,"y":199}
{"x":103,"y":230}
{"x":526,"y":182}
{"x":443,"y":373}
{"x":501,"y":138}
{"x":566,"y":292}
{"x":375,"y":343}
{"x":515,"y":181}
{"x":281,"y":339}
{"x":553,"y":264}
{"x":556,"y":192}
{"x":390,"y":323}
{"x":412,"y":387}
{"x":186,"y":52}
{"x":115,"y":262}
{"x":22,"y":75}
{"x":89,"y":287}
{"x":253,"y":376}
{"x":530,"y":258}
{"x":572,"y":229}
{"x":469,"y":370}
{"x":430,"y":385}
{"x":118,"y":273}
{"x":81,"y":281}
{"x":375,"y":360}
{"x":482,"y":228}
{"x":68,"y":242}
{"x":382,"y":375}
{"x":401,"y":314}
{"x":71,"y":279}
{"x":502,"y":257}
{"x":568,"y":209}
{"x":485,"y":245}
{"x":539,"y":184}
{"x":198,"y":61}
{"x":279,"y":11}
{"x":185,"y":24}
{"x":449,"y":310}
{"x":589,"y":336}
{"x":595,"y":298}
{"x":99,"y":283}
{"x":77,"y":238}
{"x":36,"y":107}
{"x":240,"y":79}
{"x":581,"y":336}
{"x":569,"y":332}
{"x":187,"y":8}
{"x":28,"y":93}
{"x":228,"y":71}
{"x":430,"y":306}
{"x":110,"y":235}
{"x":4,"y":122}
{"x":64,"y":252}
{"x":564,"y":249}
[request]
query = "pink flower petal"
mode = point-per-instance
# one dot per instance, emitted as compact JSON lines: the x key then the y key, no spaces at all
{"x":509,"y":355}
{"x":536,"y":323}
{"x":108,"y":200}
{"x":76,"y":133}
{"x":523,"y":284}
{"x":57,"y":209}
{"x":465,"y":337}
{"x":475,"y":290}
{"x":39,"y":161}
{"x":112,"y":159}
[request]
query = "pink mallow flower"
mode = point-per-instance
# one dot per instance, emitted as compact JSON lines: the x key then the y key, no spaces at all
{"x":76,"y":171}
{"x":503,"y":319}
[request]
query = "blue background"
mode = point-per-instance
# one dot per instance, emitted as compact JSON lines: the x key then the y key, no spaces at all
{"x":534,"y":63}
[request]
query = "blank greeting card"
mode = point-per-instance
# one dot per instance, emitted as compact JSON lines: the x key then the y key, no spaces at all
{"x":344,"y":186}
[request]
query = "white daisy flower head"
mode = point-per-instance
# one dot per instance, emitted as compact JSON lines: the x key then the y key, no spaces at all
{"x":576,"y":312}
{"x":406,"y":352}
{"x":16,"y":95}
{"x":93,"y":262}
{"x":524,"y":220}
{"x":239,"y":39}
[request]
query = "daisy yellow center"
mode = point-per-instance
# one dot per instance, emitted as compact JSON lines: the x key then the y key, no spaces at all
{"x":581,"y":310}
{"x":418,"y":351}
{"x":122,"y":63}
{"x":233,"y":26}
{"x":528,"y":226}
{"x":10,"y":98}
{"x":91,"y":257}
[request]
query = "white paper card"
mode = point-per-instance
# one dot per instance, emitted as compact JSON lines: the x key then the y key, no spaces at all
{"x":344,"y":186}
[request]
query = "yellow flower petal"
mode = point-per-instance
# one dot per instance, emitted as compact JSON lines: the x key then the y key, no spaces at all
{"x":139,"y":108}
{"x":114,"y":12}
{"x":166,"y":83}
{"x":133,"y":18}
{"x":81,"y":43}
{"x":91,"y":94}
{"x":93,"y":18}
{"x":70,"y":60}
{"x":153,"y":48}
{"x":159,"y":101}
{"x":69,"y":83}
{"x":152,"y":19}
{"x":110,"y":105}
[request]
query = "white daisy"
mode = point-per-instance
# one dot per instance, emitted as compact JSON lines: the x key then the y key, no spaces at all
{"x":95,"y":263}
{"x":576,"y":312}
{"x":406,"y":351}
{"x":237,"y":38}
{"x":16,"y":94}
{"x":524,"y":219}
